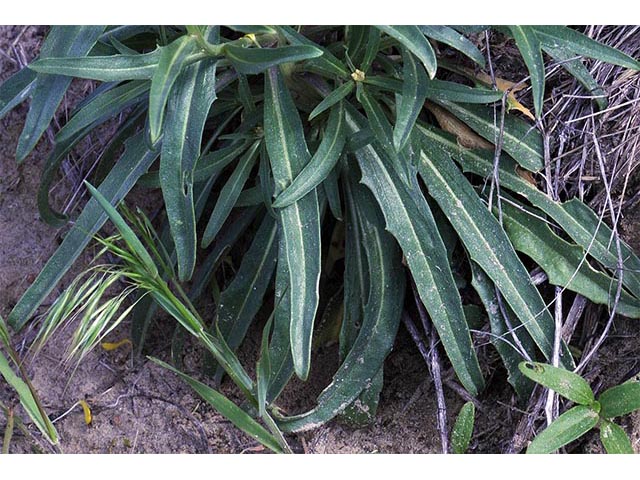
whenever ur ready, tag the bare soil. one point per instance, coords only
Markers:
(138, 407)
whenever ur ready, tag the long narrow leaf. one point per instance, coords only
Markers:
(449, 36)
(300, 221)
(381, 321)
(414, 93)
(413, 39)
(171, 62)
(416, 232)
(16, 89)
(187, 112)
(529, 46)
(257, 60)
(71, 41)
(488, 245)
(134, 162)
(321, 164)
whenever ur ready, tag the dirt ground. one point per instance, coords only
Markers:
(140, 408)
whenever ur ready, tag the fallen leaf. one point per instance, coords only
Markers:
(466, 137)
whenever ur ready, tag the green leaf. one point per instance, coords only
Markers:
(456, 92)
(614, 439)
(563, 262)
(110, 68)
(300, 221)
(103, 107)
(565, 383)
(449, 36)
(620, 400)
(412, 38)
(372, 46)
(463, 428)
(380, 322)
(503, 337)
(322, 162)
(134, 162)
(242, 299)
(331, 189)
(487, 244)
(187, 111)
(257, 29)
(575, 67)
(414, 228)
(414, 93)
(16, 89)
(48, 91)
(529, 46)
(228, 409)
(564, 37)
(520, 140)
(569, 426)
(171, 62)
(230, 193)
(280, 355)
(326, 64)
(228, 238)
(574, 217)
(334, 97)
(257, 60)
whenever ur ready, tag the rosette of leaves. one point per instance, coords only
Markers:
(304, 140)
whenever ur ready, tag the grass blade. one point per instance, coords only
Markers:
(322, 162)
(300, 221)
(228, 409)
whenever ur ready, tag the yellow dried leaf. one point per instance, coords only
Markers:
(87, 412)
(466, 137)
(108, 346)
(504, 85)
